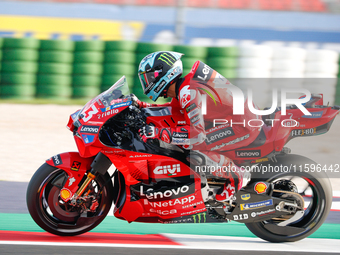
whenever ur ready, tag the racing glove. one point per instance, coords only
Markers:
(178, 136)
(139, 103)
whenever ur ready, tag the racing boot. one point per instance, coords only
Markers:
(236, 179)
(220, 166)
(226, 192)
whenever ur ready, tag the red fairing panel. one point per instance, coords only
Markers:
(74, 165)
(166, 188)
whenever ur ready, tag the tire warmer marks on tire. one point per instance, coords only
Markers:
(108, 238)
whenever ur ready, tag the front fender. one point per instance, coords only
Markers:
(75, 167)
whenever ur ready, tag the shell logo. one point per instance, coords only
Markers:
(65, 194)
(260, 187)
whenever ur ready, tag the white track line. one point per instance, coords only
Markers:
(254, 244)
(336, 193)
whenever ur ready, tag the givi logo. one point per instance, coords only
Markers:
(170, 170)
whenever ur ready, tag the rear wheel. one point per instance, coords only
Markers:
(52, 214)
(316, 191)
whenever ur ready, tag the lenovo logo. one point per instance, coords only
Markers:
(248, 154)
(89, 129)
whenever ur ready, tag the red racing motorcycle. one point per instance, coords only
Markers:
(154, 182)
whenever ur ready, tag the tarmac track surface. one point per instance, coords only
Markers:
(43, 250)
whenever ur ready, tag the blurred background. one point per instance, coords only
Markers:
(62, 50)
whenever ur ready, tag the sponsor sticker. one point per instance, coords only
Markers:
(88, 138)
(140, 156)
(180, 141)
(194, 119)
(219, 135)
(165, 212)
(175, 71)
(256, 205)
(115, 106)
(303, 132)
(177, 201)
(168, 169)
(260, 187)
(190, 107)
(203, 72)
(71, 181)
(166, 193)
(89, 129)
(180, 135)
(193, 113)
(245, 197)
(75, 166)
(160, 86)
(237, 140)
(260, 160)
(243, 216)
(314, 115)
(200, 217)
(57, 160)
(262, 213)
(150, 87)
(248, 154)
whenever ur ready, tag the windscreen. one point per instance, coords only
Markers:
(106, 100)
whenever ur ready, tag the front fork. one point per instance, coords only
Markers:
(100, 165)
(76, 168)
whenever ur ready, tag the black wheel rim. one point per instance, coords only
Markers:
(314, 198)
(57, 215)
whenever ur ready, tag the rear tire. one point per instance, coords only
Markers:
(316, 212)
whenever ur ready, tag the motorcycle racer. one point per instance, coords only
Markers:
(160, 76)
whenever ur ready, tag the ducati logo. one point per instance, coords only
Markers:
(170, 170)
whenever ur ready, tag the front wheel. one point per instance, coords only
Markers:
(52, 214)
(316, 191)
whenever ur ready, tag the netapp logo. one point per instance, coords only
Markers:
(248, 154)
(90, 129)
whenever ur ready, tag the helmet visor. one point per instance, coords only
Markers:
(148, 79)
(143, 80)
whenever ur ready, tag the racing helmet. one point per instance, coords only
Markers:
(157, 71)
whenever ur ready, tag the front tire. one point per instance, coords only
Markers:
(318, 200)
(50, 213)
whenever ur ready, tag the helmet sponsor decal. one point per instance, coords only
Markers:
(167, 58)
